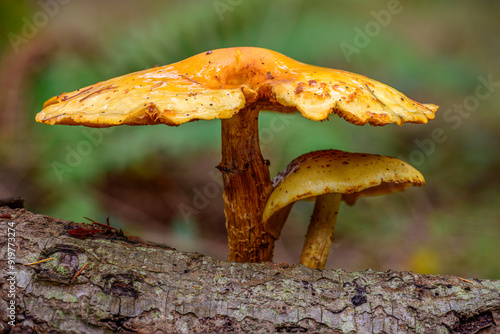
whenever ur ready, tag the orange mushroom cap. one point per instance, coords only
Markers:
(332, 171)
(220, 83)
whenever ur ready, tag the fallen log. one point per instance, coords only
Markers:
(133, 286)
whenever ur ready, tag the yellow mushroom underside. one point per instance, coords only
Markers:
(332, 171)
(220, 83)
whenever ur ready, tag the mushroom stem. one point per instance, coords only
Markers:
(247, 185)
(321, 231)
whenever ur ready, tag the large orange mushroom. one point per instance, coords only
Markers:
(234, 85)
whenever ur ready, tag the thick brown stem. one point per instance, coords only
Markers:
(247, 186)
(321, 231)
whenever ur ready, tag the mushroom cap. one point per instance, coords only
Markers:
(220, 83)
(332, 171)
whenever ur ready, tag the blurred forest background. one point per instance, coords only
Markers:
(160, 183)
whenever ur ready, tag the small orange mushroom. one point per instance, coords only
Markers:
(234, 85)
(331, 176)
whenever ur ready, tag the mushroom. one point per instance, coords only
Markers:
(234, 85)
(331, 176)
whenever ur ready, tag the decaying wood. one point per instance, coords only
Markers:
(134, 286)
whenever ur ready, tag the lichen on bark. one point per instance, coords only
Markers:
(133, 286)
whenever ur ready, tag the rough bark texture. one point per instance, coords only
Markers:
(247, 186)
(131, 286)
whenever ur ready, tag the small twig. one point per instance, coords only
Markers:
(78, 273)
(103, 225)
(466, 280)
(37, 262)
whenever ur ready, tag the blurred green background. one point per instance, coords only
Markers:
(160, 183)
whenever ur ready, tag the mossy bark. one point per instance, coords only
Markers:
(132, 286)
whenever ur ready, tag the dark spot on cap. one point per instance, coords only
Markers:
(209, 52)
(300, 88)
